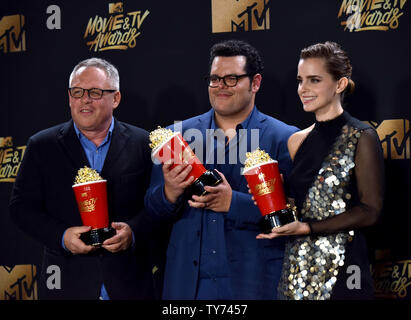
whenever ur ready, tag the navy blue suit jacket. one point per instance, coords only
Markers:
(255, 265)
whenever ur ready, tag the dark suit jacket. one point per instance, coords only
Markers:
(43, 205)
(255, 265)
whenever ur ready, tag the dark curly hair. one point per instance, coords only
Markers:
(230, 48)
(336, 60)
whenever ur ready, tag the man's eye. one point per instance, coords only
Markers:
(95, 93)
(76, 92)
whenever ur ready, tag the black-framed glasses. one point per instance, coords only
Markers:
(93, 93)
(230, 80)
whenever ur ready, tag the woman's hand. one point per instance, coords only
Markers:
(293, 228)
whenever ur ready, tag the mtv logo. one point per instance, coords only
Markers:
(395, 138)
(18, 282)
(115, 7)
(244, 15)
(12, 34)
(6, 142)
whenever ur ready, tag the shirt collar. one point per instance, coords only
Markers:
(242, 125)
(109, 133)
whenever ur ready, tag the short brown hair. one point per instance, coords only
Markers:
(336, 60)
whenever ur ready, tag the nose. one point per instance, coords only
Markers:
(302, 86)
(86, 96)
(221, 83)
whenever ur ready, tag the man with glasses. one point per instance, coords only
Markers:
(43, 203)
(213, 252)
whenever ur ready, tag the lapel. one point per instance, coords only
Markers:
(118, 142)
(200, 123)
(257, 121)
(203, 124)
(244, 144)
(70, 143)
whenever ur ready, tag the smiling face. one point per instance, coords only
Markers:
(318, 90)
(89, 115)
(235, 101)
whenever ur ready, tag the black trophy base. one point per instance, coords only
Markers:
(96, 237)
(277, 219)
(208, 178)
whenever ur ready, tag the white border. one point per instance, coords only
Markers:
(84, 183)
(257, 165)
(157, 149)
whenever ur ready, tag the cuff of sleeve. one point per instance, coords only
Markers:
(309, 227)
(133, 241)
(242, 209)
(158, 205)
(62, 241)
(171, 207)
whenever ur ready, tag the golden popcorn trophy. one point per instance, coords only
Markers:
(168, 145)
(264, 180)
(90, 191)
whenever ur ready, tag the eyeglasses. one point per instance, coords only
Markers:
(229, 80)
(93, 93)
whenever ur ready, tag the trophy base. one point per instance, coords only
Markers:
(96, 237)
(208, 178)
(277, 219)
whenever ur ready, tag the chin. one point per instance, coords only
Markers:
(308, 108)
(222, 111)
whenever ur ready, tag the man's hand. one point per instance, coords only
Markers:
(122, 240)
(74, 244)
(174, 183)
(218, 199)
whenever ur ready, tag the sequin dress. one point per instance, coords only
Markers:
(337, 181)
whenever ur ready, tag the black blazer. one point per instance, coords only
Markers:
(43, 205)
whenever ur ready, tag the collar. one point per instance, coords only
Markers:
(242, 125)
(109, 133)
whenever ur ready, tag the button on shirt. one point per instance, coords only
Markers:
(96, 156)
(214, 278)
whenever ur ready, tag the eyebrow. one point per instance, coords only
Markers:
(310, 77)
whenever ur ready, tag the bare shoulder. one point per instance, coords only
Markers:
(296, 139)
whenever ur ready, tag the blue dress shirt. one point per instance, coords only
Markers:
(95, 156)
(214, 281)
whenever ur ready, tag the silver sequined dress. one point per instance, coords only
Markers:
(333, 196)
